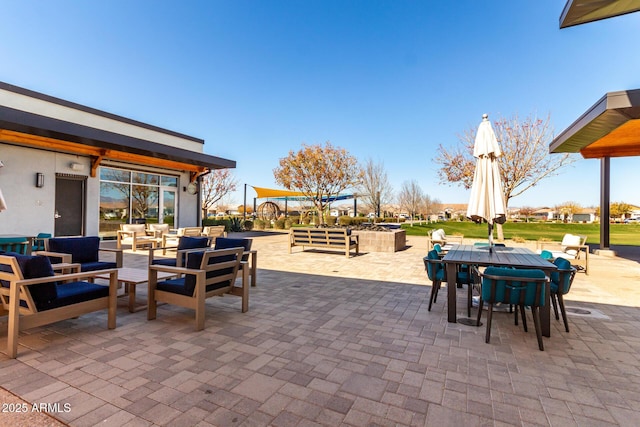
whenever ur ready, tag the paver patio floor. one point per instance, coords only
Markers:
(333, 341)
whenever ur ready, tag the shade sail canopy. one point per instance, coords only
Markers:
(577, 12)
(610, 128)
(263, 193)
(271, 193)
(487, 196)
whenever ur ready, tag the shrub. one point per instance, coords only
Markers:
(248, 225)
(259, 224)
(518, 239)
(235, 224)
(306, 220)
(288, 223)
(279, 224)
(345, 220)
(330, 221)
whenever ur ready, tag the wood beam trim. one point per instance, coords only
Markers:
(74, 148)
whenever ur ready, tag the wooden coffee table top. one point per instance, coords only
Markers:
(136, 276)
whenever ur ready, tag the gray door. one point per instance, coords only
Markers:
(70, 203)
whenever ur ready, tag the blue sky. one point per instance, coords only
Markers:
(387, 80)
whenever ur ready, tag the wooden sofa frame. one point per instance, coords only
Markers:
(197, 300)
(26, 315)
(333, 238)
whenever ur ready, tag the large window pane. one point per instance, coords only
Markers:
(109, 174)
(144, 203)
(145, 178)
(169, 181)
(114, 207)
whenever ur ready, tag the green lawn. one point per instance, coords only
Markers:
(621, 234)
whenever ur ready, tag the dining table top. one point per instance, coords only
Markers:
(498, 255)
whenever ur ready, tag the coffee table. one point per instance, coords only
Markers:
(131, 277)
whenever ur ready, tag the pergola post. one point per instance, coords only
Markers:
(605, 202)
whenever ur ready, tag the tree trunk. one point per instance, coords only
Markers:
(500, 233)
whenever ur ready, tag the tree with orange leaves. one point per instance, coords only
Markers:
(320, 172)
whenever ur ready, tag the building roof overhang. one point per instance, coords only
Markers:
(20, 126)
(610, 128)
(577, 12)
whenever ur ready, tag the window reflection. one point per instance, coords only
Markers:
(134, 197)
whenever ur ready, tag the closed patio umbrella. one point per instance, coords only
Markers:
(3, 204)
(487, 197)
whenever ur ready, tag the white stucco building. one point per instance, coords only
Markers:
(68, 169)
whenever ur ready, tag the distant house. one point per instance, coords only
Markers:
(584, 215)
(545, 214)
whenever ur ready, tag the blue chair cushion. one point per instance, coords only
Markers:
(175, 286)
(75, 292)
(98, 265)
(501, 285)
(82, 249)
(171, 262)
(435, 271)
(228, 243)
(559, 281)
(187, 242)
(34, 267)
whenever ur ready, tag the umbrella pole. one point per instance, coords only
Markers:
(490, 225)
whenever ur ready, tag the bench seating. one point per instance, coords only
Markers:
(333, 238)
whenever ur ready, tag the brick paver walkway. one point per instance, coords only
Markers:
(332, 341)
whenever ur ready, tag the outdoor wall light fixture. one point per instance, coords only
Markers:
(76, 166)
(39, 180)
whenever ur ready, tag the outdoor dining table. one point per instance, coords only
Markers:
(498, 256)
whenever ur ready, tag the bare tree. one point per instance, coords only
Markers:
(411, 197)
(525, 159)
(215, 186)
(527, 211)
(429, 205)
(375, 189)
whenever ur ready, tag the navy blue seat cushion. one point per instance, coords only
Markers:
(187, 242)
(187, 285)
(171, 262)
(75, 292)
(82, 249)
(34, 267)
(228, 243)
(98, 265)
(500, 296)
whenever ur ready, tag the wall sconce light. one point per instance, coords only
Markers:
(76, 166)
(1, 164)
(39, 180)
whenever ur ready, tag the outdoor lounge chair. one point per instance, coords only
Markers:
(33, 296)
(185, 246)
(573, 247)
(439, 237)
(519, 287)
(82, 250)
(249, 257)
(207, 273)
(135, 235)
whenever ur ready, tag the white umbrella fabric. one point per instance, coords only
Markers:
(487, 197)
